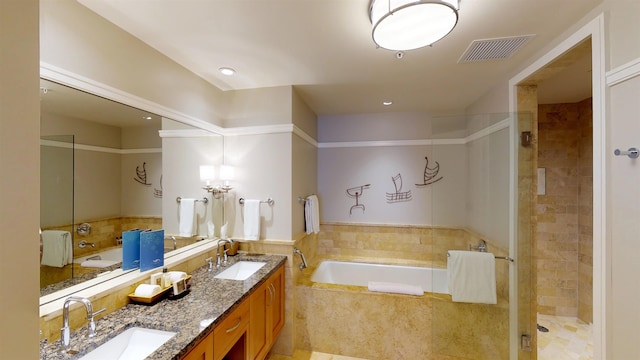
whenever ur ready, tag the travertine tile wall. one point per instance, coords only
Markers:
(564, 213)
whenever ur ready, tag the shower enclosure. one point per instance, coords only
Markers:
(470, 181)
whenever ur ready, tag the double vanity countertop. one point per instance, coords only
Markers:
(191, 317)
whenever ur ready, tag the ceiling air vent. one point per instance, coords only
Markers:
(494, 49)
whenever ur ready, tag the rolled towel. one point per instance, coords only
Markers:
(397, 288)
(147, 290)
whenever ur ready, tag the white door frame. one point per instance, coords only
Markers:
(595, 30)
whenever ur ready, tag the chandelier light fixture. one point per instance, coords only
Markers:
(411, 24)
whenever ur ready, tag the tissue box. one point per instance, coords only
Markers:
(151, 249)
(131, 249)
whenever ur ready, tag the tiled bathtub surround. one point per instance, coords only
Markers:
(351, 321)
(394, 244)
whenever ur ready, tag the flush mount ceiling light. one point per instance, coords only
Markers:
(411, 24)
(227, 71)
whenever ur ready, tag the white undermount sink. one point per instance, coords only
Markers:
(135, 343)
(241, 270)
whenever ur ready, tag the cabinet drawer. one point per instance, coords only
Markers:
(227, 333)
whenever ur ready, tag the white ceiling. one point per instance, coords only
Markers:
(324, 48)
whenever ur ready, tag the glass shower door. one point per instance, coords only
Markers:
(472, 201)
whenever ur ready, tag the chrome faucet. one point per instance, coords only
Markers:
(224, 262)
(65, 336)
(175, 243)
(209, 261)
(303, 264)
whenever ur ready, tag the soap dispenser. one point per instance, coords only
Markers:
(166, 278)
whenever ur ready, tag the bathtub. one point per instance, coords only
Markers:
(104, 258)
(432, 280)
(347, 319)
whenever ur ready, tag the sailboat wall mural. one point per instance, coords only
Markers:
(430, 174)
(399, 195)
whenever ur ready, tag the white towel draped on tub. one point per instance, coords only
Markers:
(251, 219)
(472, 276)
(57, 248)
(187, 216)
(312, 214)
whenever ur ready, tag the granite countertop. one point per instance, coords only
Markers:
(192, 317)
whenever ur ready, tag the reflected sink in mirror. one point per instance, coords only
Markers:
(132, 344)
(241, 270)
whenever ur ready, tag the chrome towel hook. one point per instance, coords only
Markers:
(632, 153)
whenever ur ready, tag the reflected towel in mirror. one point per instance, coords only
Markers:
(57, 248)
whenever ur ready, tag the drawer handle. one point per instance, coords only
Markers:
(271, 294)
(231, 329)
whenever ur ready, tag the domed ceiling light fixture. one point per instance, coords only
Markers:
(411, 24)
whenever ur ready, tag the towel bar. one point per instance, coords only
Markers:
(268, 201)
(204, 200)
(497, 257)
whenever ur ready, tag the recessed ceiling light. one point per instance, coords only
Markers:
(227, 71)
(387, 103)
(147, 117)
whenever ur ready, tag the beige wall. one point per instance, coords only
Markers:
(304, 171)
(182, 157)
(19, 184)
(255, 107)
(474, 169)
(263, 170)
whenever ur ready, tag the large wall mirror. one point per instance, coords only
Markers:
(105, 170)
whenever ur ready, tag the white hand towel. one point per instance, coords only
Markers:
(312, 214)
(187, 216)
(472, 276)
(57, 248)
(251, 219)
(397, 288)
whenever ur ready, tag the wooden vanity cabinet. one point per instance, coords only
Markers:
(267, 315)
(202, 351)
(250, 330)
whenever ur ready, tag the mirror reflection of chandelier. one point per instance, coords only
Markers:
(410, 24)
